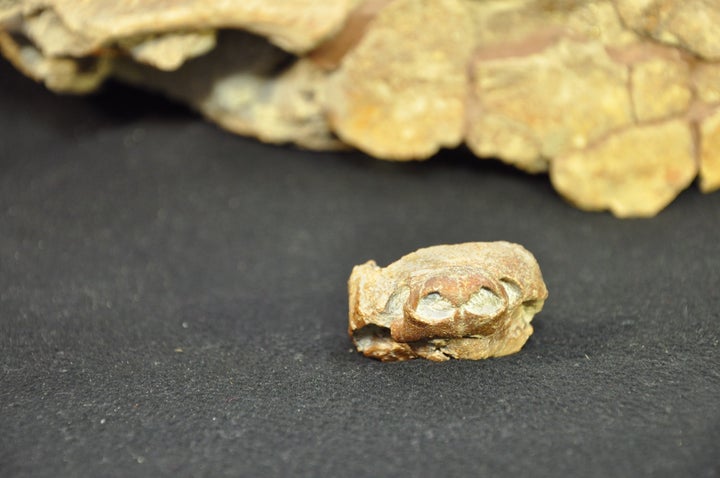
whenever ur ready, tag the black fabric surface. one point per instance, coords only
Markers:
(173, 303)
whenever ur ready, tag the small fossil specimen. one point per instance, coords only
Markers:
(469, 301)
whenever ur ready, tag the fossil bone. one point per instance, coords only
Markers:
(467, 301)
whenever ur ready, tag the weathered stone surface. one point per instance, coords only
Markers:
(710, 152)
(691, 24)
(466, 301)
(10, 9)
(169, 51)
(502, 22)
(706, 81)
(399, 94)
(635, 172)
(516, 118)
(252, 94)
(294, 25)
(54, 39)
(529, 82)
(59, 74)
(330, 54)
(660, 88)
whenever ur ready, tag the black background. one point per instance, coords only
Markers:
(173, 302)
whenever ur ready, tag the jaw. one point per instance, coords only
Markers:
(377, 341)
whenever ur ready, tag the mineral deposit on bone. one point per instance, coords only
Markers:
(465, 301)
(530, 82)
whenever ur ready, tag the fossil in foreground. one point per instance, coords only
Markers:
(465, 301)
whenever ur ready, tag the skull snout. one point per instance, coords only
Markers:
(450, 303)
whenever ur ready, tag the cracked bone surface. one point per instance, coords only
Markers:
(464, 301)
(617, 100)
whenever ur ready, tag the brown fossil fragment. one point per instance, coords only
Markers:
(465, 301)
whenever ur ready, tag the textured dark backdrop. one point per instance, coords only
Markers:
(173, 302)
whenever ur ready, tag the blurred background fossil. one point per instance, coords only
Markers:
(617, 100)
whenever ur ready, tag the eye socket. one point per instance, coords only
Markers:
(484, 303)
(512, 290)
(434, 308)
